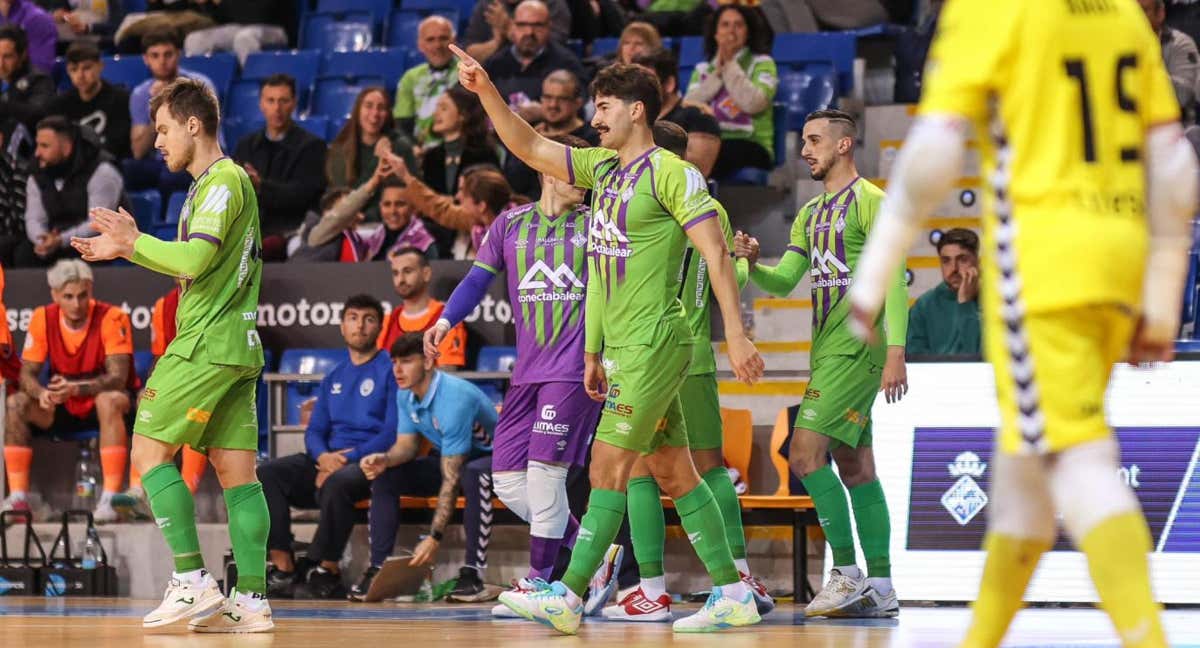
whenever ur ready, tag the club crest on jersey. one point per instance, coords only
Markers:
(366, 387)
(966, 498)
(579, 240)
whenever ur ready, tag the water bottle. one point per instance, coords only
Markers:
(85, 480)
(425, 593)
(60, 553)
(91, 554)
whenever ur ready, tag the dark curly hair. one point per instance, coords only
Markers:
(475, 126)
(759, 35)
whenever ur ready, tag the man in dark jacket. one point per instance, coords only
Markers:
(74, 174)
(25, 93)
(94, 102)
(285, 163)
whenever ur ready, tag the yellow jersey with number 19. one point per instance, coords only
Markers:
(1061, 94)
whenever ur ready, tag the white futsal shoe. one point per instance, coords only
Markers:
(183, 600)
(869, 605)
(522, 586)
(838, 592)
(241, 613)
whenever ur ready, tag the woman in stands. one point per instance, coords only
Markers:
(737, 85)
(638, 38)
(459, 121)
(368, 135)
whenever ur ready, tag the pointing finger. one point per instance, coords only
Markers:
(463, 56)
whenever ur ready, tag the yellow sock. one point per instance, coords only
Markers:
(1010, 564)
(1116, 551)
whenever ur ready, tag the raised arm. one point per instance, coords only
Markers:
(527, 144)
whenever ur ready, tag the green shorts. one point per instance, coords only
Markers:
(642, 411)
(201, 404)
(839, 399)
(702, 412)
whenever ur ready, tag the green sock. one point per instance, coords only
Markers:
(701, 519)
(175, 513)
(731, 510)
(605, 510)
(834, 513)
(874, 527)
(647, 526)
(249, 523)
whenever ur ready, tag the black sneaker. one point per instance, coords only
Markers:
(470, 588)
(321, 585)
(280, 583)
(358, 592)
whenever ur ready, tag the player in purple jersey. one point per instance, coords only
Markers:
(547, 422)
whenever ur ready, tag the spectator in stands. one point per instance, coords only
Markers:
(1179, 56)
(285, 163)
(562, 99)
(354, 417)
(483, 192)
(417, 311)
(94, 102)
(945, 320)
(74, 175)
(704, 134)
(458, 420)
(147, 170)
(677, 17)
(13, 176)
(39, 29)
(368, 135)
(592, 19)
(26, 93)
(91, 21)
(418, 91)
(518, 70)
(89, 347)
(461, 124)
(637, 39)
(336, 237)
(243, 27)
(490, 28)
(737, 85)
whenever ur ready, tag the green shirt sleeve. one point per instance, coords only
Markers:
(178, 259)
(683, 192)
(782, 279)
(583, 162)
(764, 74)
(405, 102)
(593, 320)
(895, 310)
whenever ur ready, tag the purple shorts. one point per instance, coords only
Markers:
(549, 422)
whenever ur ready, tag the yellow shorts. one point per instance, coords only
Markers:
(1052, 396)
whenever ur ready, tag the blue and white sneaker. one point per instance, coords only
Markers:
(547, 604)
(604, 581)
(720, 612)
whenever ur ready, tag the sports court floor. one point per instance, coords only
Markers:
(115, 623)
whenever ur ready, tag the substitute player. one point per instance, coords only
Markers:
(646, 204)
(835, 416)
(547, 422)
(702, 417)
(202, 391)
(1079, 132)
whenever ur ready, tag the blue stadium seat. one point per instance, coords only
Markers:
(316, 124)
(174, 208)
(221, 67)
(605, 46)
(835, 48)
(496, 358)
(685, 78)
(378, 9)
(166, 231)
(301, 65)
(147, 207)
(142, 362)
(403, 23)
(804, 91)
(490, 389)
(306, 361)
(235, 129)
(334, 98)
(349, 32)
(691, 51)
(242, 101)
(125, 70)
(435, 5)
(62, 81)
(758, 177)
(388, 62)
(261, 400)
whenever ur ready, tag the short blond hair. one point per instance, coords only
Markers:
(67, 271)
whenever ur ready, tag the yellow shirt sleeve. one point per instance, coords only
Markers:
(967, 58)
(1156, 100)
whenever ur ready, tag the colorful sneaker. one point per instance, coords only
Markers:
(604, 581)
(240, 613)
(522, 586)
(184, 600)
(546, 604)
(869, 605)
(720, 612)
(358, 592)
(636, 607)
(762, 598)
(17, 502)
(838, 592)
(133, 504)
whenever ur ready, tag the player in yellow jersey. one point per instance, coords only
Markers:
(1078, 128)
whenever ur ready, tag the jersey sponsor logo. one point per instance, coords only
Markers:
(549, 413)
(251, 316)
(247, 252)
(197, 415)
(541, 276)
(827, 262)
(856, 417)
(215, 201)
(335, 389)
(252, 339)
(812, 394)
(415, 418)
(545, 426)
(606, 238)
(149, 394)
(624, 410)
(366, 388)
(809, 414)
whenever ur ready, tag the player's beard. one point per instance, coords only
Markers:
(177, 162)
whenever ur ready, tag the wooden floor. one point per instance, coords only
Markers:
(109, 623)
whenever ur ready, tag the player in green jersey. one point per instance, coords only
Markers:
(702, 417)
(647, 203)
(202, 391)
(835, 416)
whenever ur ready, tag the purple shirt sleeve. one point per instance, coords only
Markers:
(43, 38)
(467, 295)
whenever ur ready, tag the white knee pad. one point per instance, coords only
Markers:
(1021, 505)
(548, 508)
(1087, 489)
(510, 488)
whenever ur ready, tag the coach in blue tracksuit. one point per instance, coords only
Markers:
(354, 416)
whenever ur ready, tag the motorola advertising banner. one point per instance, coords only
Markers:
(300, 304)
(935, 451)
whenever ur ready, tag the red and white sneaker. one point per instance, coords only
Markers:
(762, 599)
(522, 586)
(636, 607)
